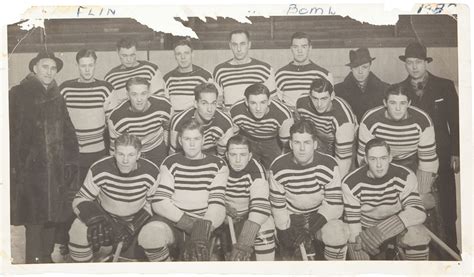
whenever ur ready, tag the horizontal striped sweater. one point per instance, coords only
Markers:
(232, 80)
(368, 201)
(179, 87)
(247, 191)
(297, 189)
(407, 137)
(88, 106)
(119, 194)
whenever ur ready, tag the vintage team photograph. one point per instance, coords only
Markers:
(292, 138)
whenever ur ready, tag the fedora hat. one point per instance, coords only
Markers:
(415, 50)
(45, 54)
(359, 57)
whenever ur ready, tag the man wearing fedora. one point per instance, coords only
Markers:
(438, 97)
(361, 88)
(43, 156)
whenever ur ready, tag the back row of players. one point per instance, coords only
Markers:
(245, 98)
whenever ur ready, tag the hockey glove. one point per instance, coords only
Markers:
(373, 237)
(298, 231)
(355, 252)
(244, 246)
(99, 229)
(197, 247)
(425, 187)
(125, 231)
(185, 223)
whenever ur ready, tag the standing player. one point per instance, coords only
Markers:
(131, 67)
(217, 126)
(409, 132)
(114, 202)
(265, 122)
(181, 81)
(190, 200)
(247, 203)
(334, 121)
(294, 79)
(306, 197)
(381, 202)
(145, 116)
(235, 75)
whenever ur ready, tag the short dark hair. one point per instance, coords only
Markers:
(321, 85)
(398, 89)
(239, 140)
(240, 31)
(127, 139)
(191, 124)
(300, 35)
(374, 143)
(183, 42)
(303, 126)
(204, 87)
(85, 53)
(126, 43)
(256, 89)
(137, 81)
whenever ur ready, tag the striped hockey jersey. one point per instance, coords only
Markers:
(119, 75)
(297, 189)
(295, 80)
(150, 126)
(88, 106)
(411, 136)
(119, 194)
(335, 128)
(247, 191)
(276, 122)
(179, 87)
(368, 201)
(232, 80)
(196, 187)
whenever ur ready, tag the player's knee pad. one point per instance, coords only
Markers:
(335, 232)
(155, 234)
(78, 232)
(415, 235)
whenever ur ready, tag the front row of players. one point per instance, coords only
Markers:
(173, 212)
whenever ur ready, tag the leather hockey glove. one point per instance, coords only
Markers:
(355, 252)
(243, 249)
(373, 237)
(298, 231)
(186, 223)
(125, 231)
(197, 247)
(99, 229)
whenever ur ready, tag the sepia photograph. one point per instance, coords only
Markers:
(300, 133)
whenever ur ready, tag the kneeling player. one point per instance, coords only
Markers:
(306, 197)
(247, 203)
(114, 202)
(381, 202)
(190, 199)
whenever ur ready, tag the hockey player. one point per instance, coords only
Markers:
(265, 122)
(235, 75)
(190, 200)
(181, 81)
(131, 67)
(217, 126)
(409, 132)
(382, 205)
(247, 203)
(294, 79)
(114, 202)
(334, 121)
(306, 197)
(145, 116)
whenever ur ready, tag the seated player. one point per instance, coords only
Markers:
(382, 205)
(114, 202)
(306, 197)
(247, 203)
(190, 200)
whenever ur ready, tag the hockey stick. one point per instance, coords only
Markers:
(443, 245)
(304, 255)
(118, 251)
(232, 230)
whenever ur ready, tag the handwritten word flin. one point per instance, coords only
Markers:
(294, 9)
(97, 11)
